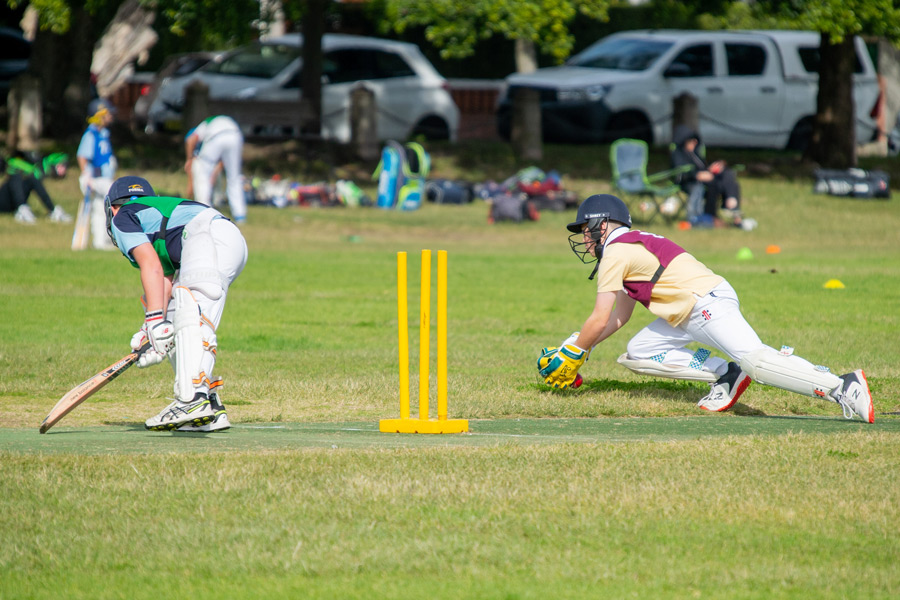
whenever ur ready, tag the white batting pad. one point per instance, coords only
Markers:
(188, 343)
(792, 373)
(655, 369)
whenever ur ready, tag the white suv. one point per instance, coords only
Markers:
(755, 88)
(411, 96)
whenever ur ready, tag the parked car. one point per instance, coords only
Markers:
(177, 65)
(15, 50)
(755, 88)
(411, 96)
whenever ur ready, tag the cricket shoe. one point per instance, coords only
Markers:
(219, 423)
(197, 412)
(60, 216)
(855, 398)
(726, 390)
(24, 215)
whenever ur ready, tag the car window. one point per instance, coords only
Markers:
(809, 56)
(261, 60)
(745, 59)
(622, 54)
(355, 64)
(698, 59)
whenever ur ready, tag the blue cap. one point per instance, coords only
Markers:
(127, 187)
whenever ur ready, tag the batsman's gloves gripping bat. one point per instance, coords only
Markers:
(559, 366)
(160, 331)
(149, 356)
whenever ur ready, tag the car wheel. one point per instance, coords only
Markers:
(632, 125)
(432, 128)
(800, 135)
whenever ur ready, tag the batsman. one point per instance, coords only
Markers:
(188, 255)
(691, 304)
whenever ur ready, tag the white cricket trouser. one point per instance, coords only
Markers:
(99, 187)
(227, 146)
(228, 257)
(716, 321)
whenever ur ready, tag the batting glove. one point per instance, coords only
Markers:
(561, 367)
(159, 331)
(149, 356)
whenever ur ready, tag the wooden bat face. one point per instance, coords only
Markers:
(86, 389)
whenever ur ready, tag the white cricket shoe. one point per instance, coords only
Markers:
(855, 398)
(219, 423)
(24, 215)
(197, 412)
(58, 215)
(726, 390)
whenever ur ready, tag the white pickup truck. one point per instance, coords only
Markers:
(755, 88)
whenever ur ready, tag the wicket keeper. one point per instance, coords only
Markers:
(692, 304)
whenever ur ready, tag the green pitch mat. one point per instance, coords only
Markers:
(134, 438)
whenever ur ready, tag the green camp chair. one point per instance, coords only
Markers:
(647, 196)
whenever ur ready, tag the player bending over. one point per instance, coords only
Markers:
(188, 254)
(692, 304)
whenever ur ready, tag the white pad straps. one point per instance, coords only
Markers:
(656, 369)
(188, 343)
(792, 373)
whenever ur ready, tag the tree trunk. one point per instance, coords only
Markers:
(527, 134)
(62, 63)
(833, 141)
(311, 77)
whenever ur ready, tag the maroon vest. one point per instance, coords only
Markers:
(664, 250)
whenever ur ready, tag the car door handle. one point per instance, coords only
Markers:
(767, 89)
(714, 90)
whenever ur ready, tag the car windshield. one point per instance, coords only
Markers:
(261, 60)
(621, 54)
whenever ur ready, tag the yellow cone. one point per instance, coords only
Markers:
(834, 284)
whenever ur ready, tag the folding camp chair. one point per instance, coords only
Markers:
(645, 195)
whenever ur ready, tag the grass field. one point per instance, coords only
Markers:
(619, 489)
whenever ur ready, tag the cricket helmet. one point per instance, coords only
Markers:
(121, 191)
(97, 109)
(594, 213)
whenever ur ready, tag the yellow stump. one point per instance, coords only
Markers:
(423, 424)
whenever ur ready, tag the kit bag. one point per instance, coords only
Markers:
(855, 183)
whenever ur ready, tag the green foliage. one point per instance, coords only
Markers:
(211, 24)
(455, 27)
(838, 18)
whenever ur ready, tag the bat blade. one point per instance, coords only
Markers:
(82, 223)
(87, 388)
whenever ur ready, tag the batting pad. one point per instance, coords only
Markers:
(655, 369)
(792, 373)
(188, 343)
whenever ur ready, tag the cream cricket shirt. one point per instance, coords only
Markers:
(675, 293)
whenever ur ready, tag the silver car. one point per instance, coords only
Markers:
(412, 98)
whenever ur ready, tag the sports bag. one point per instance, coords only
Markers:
(446, 191)
(855, 183)
(401, 175)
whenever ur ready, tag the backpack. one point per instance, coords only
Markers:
(512, 207)
(401, 175)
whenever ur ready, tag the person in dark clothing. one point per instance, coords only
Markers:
(710, 187)
(25, 172)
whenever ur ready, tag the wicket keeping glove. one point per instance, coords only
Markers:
(559, 366)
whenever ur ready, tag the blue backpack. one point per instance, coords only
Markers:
(401, 175)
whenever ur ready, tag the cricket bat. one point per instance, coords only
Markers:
(82, 223)
(86, 389)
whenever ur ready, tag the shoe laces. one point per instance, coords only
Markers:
(848, 410)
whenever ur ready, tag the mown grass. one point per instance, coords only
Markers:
(310, 335)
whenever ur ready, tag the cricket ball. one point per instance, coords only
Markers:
(578, 381)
